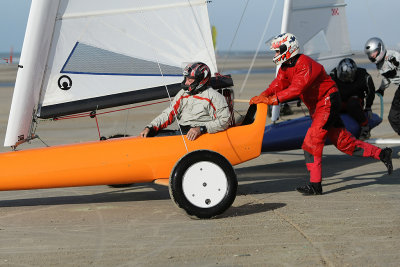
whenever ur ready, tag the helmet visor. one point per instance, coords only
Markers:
(373, 55)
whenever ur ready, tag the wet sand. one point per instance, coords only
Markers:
(355, 223)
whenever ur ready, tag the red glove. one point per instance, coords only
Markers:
(256, 99)
(272, 100)
(269, 100)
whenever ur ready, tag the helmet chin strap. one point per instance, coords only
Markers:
(383, 57)
(184, 86)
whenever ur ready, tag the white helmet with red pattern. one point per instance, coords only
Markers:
(287, 45)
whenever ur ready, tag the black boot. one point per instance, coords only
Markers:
(310, 189)
(386, 157)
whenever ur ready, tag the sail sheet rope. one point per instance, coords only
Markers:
(156, 53)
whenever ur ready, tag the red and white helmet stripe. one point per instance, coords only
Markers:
(287, 45)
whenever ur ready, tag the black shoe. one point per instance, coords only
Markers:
(310, 189)
(386, 157)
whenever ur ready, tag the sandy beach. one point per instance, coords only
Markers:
(355, 223)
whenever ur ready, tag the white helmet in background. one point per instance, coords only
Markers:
(372, 46)
(287, 45)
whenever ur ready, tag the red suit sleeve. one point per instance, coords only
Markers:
(301, 80)
(277, 85)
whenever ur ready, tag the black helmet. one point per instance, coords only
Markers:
(346, 70)
(201, 74)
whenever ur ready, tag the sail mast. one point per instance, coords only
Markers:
(286, 15)
(32, 65)
(287, 6)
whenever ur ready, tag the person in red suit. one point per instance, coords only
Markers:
(302, 77)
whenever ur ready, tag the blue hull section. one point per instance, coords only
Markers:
(289, 135)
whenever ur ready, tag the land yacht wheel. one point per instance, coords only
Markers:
(203, 183)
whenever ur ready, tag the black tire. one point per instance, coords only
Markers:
(203, 183)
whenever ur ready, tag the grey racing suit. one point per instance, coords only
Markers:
(207, 108)
(390, 70)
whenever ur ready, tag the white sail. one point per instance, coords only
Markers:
(320, 27)
(96, 54)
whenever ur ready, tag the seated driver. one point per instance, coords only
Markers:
(198, 108)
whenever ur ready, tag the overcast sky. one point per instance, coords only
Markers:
(366, 18)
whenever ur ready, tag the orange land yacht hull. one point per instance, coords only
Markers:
(124, 160)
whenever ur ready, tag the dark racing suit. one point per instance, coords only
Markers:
(306, 79)
(353, 94)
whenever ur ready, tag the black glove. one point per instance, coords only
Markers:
(380, 91)
(393, 60)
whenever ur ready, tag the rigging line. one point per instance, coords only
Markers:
(93, 114)
(87, 114)
(234, 37)
(166, 87)
(34, 126)
(38, 137)
(98, 129)
(81, 115)
(126, 122)
(258, 47)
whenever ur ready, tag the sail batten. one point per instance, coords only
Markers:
(130, 10)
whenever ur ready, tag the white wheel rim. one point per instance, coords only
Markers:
(204, 184)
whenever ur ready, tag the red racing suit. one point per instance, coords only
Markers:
(306, 79)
